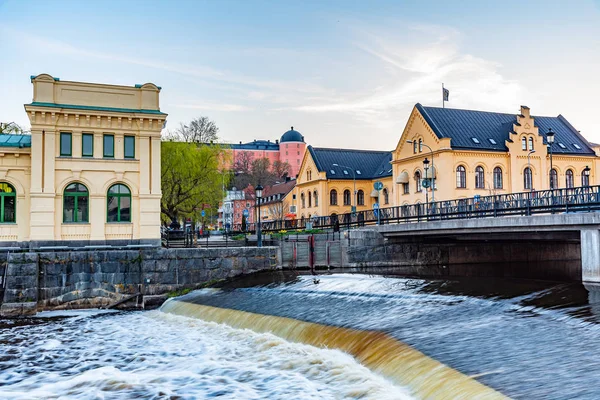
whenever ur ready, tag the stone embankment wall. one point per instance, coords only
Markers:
(555, 260)
(81, 279)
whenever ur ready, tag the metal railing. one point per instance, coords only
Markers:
(579, 199)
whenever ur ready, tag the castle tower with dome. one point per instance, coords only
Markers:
(290, 148)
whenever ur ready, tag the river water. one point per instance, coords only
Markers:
(524, 339)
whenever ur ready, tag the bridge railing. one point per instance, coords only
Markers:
(566, 200)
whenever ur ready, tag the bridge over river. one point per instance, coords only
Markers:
(550, 234)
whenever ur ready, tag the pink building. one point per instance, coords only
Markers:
(290, 148)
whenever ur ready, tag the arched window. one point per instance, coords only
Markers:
(333, 197)
(347, 198)
(523, 143)
(553, 179)
(316, 199)
(309, 199)
(420, 145)
(418, 181)
(585, 177)
(76, 203)
(119, 203)
(8, 203)
(302, 200)
(569, 181)
(479, 177)
(527, 178)
(360, 198)
(461, 177)
(497, 178)
(530, 143)
(386, 196)
(414, 147)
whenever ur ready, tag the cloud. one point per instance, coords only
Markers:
(213, 107)
(416, 64)
(197, 71)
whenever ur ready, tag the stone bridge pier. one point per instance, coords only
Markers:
(563, 247)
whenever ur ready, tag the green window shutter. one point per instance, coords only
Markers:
(8, 203)
(109, 146)
(129, 144)
(65, 144)
(87, 145)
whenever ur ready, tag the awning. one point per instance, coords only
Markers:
(402, 178)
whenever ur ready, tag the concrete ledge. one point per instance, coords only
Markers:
(10, 310)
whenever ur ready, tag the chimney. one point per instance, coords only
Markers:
(276, 141)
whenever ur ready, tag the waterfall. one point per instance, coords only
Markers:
(381, 353)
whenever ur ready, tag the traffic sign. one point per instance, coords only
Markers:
(378, 185)
(203, 213)
(245, 213)
(376, 206)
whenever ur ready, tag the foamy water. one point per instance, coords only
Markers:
(161, 356)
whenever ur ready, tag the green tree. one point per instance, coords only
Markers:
(191, 177)
(11, 128)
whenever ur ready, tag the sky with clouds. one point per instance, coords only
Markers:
(343, 73)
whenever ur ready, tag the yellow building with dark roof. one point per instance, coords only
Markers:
(332, 181)
(486, 153)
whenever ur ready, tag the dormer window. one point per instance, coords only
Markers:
(475, 140)
(578, 147)
(492, 141)
(332, 172)
(345, 172)
(562, 146)
(358, 172)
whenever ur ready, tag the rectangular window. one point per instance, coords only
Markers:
(129, 144)
(65, 144)
(87, 145)
(405, 188)
(109, 146)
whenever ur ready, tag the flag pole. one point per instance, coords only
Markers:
(443, 97)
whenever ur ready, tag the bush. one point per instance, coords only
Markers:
(241, 236)
(312, 231)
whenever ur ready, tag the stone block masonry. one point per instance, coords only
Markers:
(534, 255)
(84, 279)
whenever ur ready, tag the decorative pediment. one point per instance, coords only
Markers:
(43, 78)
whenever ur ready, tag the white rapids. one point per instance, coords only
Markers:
(154, 355)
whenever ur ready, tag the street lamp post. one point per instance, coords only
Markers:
(353, 178)
(426, 167)
(432, 170)
(258, 190)
(550, 140)
(530, 172)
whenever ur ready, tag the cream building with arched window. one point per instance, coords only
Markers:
(89, 173)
